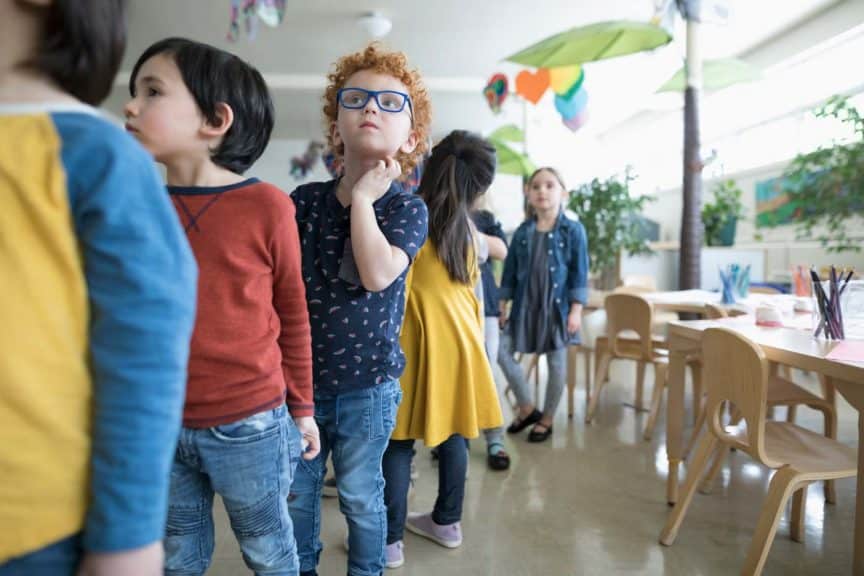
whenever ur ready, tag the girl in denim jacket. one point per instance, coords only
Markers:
(546, 278)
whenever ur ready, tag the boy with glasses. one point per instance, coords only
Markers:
(358, 235)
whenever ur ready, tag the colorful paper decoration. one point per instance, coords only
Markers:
(577, 121)
(562, 79)
(532, 85)
(302, 165)
(271, 12)
(496, 92)
(332, 163)
(570, 108)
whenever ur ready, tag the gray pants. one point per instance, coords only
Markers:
(557, 360)
(490, 333)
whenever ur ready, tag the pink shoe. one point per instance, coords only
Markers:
(447, 535)
(394, 555)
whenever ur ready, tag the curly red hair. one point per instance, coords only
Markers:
(394, 64)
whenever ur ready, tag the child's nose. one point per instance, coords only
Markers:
(129, 109)
(371, 106)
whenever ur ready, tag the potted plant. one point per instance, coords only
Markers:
(611, 220)
(828, 183)
(720, 217)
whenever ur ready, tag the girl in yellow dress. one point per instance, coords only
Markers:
(448, 390)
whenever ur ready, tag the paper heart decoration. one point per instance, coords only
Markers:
(532, 86)
(577, 121)
(562, 79)
(570, 108)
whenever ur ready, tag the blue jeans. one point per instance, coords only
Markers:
(250, 464)
(355, 427)
(452, 467)
(58, 559)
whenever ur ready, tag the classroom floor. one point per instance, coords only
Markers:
(592, 501)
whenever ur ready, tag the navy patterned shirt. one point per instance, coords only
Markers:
(355, 332)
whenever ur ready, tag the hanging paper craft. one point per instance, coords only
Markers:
(332, 163)
(570, 108)
(302, 165)
(496, 91)
(271, 12)
(532, 86)
(577, 121)
(562, 79)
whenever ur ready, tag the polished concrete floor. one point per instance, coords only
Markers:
(591, 501)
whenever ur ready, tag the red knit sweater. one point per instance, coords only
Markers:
(251, 348)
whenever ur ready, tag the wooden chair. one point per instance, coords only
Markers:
(643, 285)
(765, 290)
(628, 337)
(780, 392)
(737, 373)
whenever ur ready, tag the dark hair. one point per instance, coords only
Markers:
(459, 171)
(215, 76)
(82, 45)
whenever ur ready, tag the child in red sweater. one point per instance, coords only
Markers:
(251, 348)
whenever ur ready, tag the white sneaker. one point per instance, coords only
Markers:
(394, 555)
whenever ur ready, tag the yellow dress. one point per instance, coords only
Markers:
(447, 386)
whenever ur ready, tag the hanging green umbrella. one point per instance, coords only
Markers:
(510, 161)
(716, 75)
(508, 133)
(593, 42)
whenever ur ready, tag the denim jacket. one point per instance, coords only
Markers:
(568, 269)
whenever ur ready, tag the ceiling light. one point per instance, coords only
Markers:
(375, 24)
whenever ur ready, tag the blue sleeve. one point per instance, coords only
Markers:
(141, 281)
(406, 224)
(577, 275)
(508, 276)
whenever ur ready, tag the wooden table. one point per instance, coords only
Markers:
(694, 301)
(791, 346)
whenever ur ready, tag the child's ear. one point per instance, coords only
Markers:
(335, 135)
(410, 144)
(225, 118)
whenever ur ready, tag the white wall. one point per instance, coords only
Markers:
(274, 166)
(782, 249)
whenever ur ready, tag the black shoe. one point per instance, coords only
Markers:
(520, 424)
(500, 460)
(539, 436)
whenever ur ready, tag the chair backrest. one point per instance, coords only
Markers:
(645, 283)
(736, 371)
(629, 312)
(713, 311)
(764, 290)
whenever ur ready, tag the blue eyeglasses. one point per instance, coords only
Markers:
(387, 100)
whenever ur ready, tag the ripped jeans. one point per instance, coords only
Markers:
(250, 464)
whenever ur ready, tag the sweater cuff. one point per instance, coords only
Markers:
(301, 410)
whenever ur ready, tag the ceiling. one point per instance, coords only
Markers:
(456, 44)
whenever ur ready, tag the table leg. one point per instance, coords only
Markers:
(855, 395)
(675, 418)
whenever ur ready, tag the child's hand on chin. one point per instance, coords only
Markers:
(375, 183)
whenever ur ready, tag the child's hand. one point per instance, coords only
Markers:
(375, 183)
(502, 315)
(309, 429)
(574, 320)
(146, 561)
